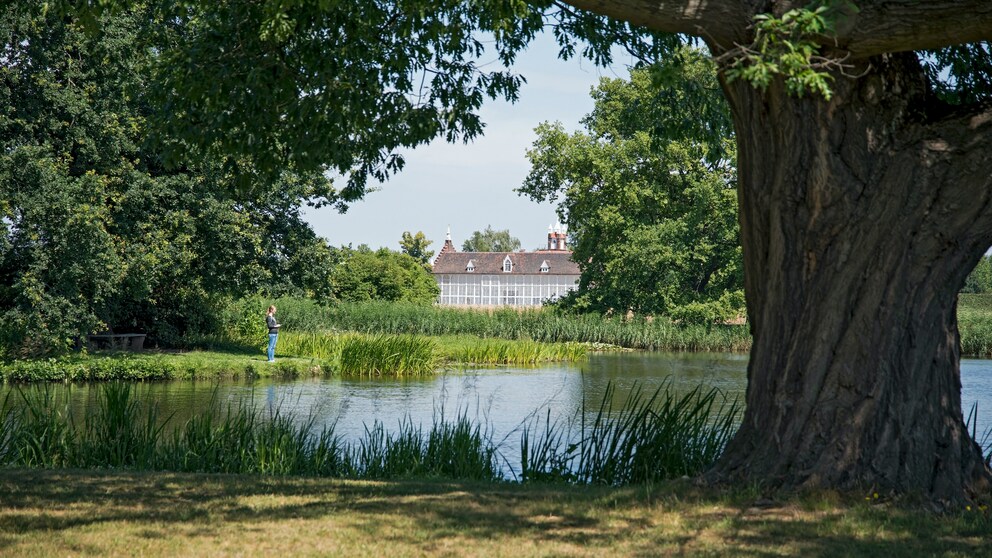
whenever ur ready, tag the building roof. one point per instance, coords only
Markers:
(559, 262)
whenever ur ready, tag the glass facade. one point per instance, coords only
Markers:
(502, 290)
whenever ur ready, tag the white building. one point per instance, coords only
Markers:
(505, 278)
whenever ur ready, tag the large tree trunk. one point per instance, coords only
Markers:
(861, 216)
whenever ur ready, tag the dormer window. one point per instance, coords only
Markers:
(545, 267)
(507, 265)
(471, 266)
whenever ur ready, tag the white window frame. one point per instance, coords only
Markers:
(507, 265)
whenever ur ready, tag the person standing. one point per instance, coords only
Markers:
(270, 322)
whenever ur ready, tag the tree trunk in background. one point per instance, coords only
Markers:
(860, 219)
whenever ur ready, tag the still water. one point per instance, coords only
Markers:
(501, 398)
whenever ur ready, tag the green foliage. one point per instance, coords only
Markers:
(490, 240)
(979, 281)
(415, 246)
(789, 47)
(786, 47)
(649, 197)
(344, 87)
(95, 232)
(383, 275)
(961, 74)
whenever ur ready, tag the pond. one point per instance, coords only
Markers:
(501, 398)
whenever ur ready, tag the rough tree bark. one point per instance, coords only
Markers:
(860, 218)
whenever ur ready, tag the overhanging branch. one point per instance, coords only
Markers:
(878, 27)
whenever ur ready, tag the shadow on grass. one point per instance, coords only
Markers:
(671, 518)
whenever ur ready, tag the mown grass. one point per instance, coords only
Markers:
(111, 513)
(647, 437)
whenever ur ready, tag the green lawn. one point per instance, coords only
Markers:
(60, 513)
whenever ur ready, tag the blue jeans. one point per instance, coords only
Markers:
(272, 346)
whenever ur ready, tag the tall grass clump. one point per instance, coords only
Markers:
(322, 346)
(399, 355)
(648, 437)
(456, 449)
(474, 350)
(119, 433)
(7, 430)
(42, 431)
(975, 324)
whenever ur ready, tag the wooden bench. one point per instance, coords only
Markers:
(125, 341)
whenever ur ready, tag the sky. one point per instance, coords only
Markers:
(468, 187)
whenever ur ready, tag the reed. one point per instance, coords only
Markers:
(984, 439)
(975, 324)
(646, 438)
(395, 355)
(540, 325)
(119, 433)
(403, 355)
(479, 351)
(43, 432)
(458, 450)
(549, 326)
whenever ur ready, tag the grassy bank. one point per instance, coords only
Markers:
(645, 438)
(186, 365)
(107, 513)
(299, 354)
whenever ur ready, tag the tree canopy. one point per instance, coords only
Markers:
(491, 240)
(415, 246)
(648, 192)
(383, 274)
(95, 232)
